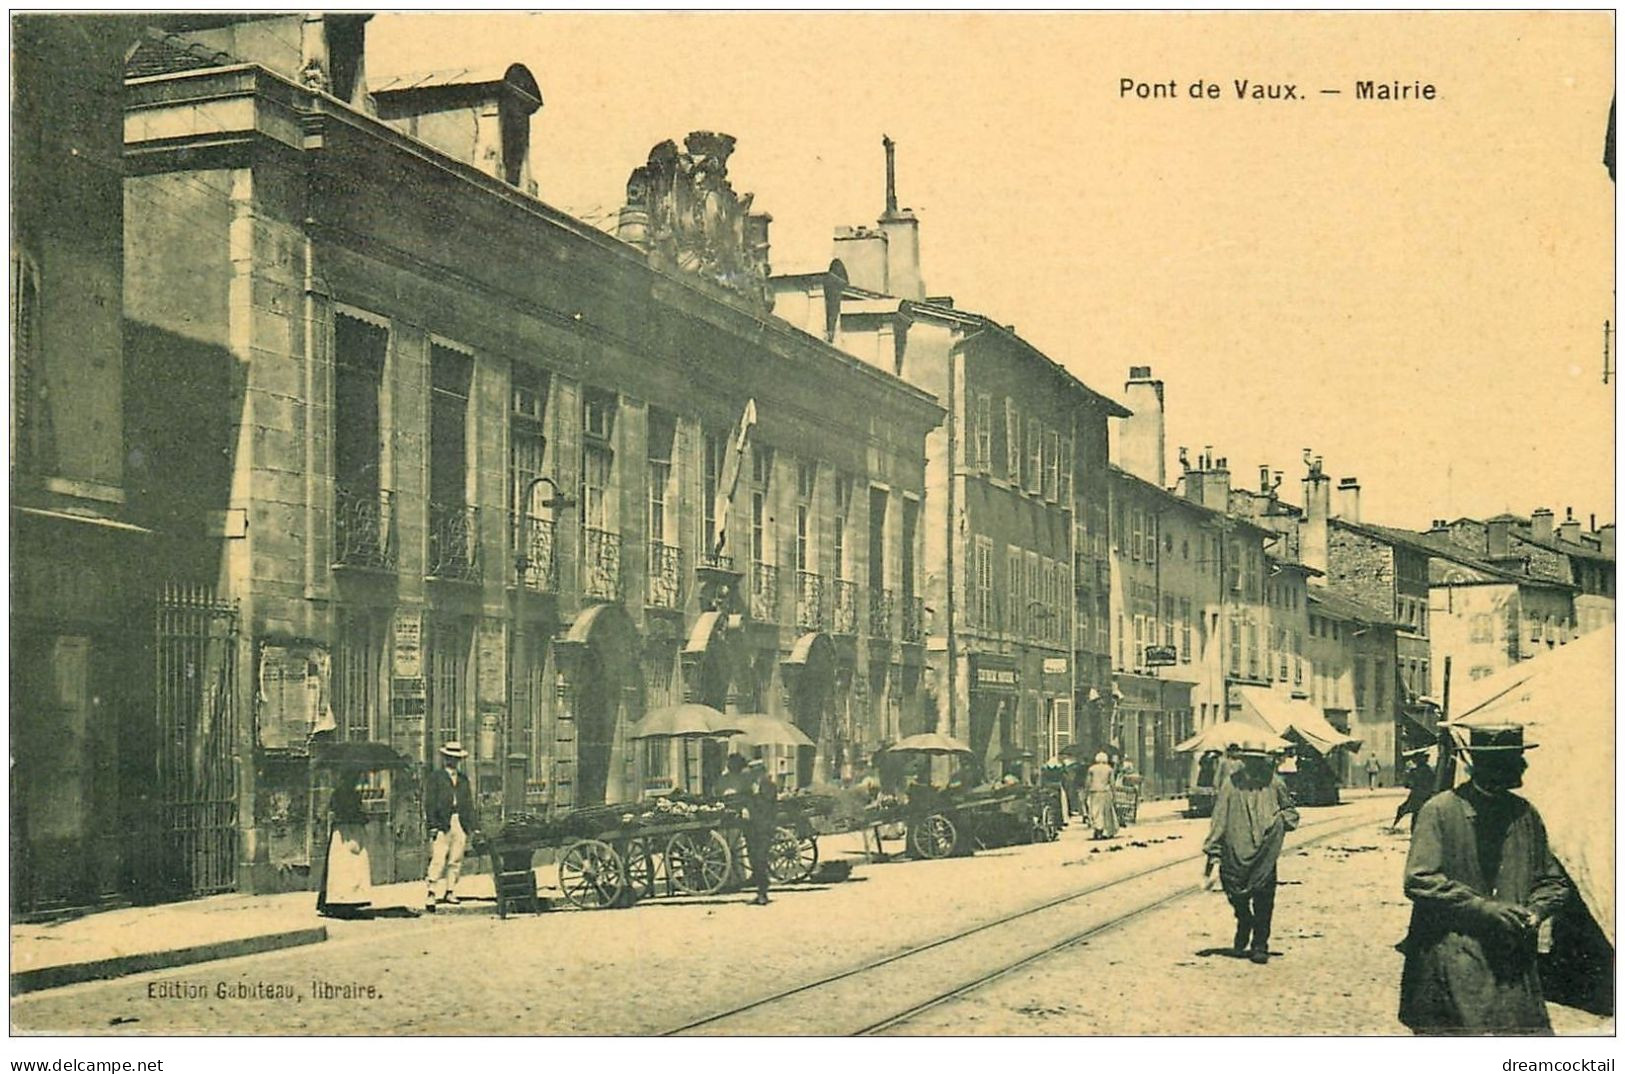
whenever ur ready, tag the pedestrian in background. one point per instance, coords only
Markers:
(448, 808)
(1251, 816)
(1098, 799)
(761, 821)
(1420, 779)
(1481, 879)
(1372, 768)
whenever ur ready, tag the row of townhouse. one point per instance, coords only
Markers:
(413, 458)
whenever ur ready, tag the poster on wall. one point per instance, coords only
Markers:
(408, 691)
(293, 694)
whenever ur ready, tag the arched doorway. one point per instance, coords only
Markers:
(809, 676)
(602, 676)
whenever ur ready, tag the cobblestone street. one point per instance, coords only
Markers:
(668, 962)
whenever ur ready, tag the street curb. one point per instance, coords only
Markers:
(101, 969)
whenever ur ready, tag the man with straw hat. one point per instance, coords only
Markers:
(1481, 879)
(448, 809)
(1252, 813)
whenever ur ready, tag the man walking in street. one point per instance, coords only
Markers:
(448, 808)
(749, 789)
(1481, 879)
(1252, 813)
(1372, 768)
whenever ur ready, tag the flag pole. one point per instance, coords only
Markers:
(1447, 752)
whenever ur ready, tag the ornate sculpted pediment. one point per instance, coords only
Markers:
(681, 209)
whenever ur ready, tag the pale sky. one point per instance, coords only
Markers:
(1416, 290)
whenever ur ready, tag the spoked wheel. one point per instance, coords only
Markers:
(791, 858)
(591, 875)
(698, 864)
(933, 836)
(640, 872)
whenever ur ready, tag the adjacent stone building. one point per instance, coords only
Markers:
(1014, 520)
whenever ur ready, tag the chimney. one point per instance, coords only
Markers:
(1317, 508)
(1605, 538)
(1141, 445)
(495, 105)
(1570, 529)
(862, 253)
(1540, 524)
(902, 233)
(1216, 486)
(1348, 499)
(1497, 537)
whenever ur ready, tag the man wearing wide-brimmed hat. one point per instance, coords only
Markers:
(1252, 812)
(1481, 879)
(448, 809)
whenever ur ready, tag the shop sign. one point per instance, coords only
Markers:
(408, 659)
(1055, 665)
(994, 673)
(1161, 656)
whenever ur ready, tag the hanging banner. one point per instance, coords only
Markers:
(408, 692)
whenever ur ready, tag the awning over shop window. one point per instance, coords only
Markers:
(1282, 715)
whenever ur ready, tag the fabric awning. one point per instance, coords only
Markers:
(1285, 714)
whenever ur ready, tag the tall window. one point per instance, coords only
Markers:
(715, 447)
(1035, 455)
(1015, 617)
(1012, 441)
(359, 349)
(806, 486)
(1184, 630)
(911, 521)
(598, 411)
(1035, 593)
(1150, 537)
(843, 509)
(1139, 532)
(662, 448)
(451, 375)
(983, 442)
(1065, 490)
(25, 360)
(1052, 465)
(527, 438)
(982, 582)
(877, 541)
(1168, 621)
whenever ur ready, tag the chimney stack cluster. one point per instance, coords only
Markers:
(1141, 437)
(1348, 499)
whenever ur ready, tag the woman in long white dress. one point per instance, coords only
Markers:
(346, 889)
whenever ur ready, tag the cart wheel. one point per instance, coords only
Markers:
(698, 865)
(640, 872)
(933, 837)
(1049, 825)
(591, 875)
(792, 858)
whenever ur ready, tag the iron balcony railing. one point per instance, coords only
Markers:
(845, 607)
(809, 601)
(363, 529)
(536, 538)
(454, 542)
(880, 608)
(601, 565)
(913, 619)
(665, 575)
(764, 592)
(716, 561)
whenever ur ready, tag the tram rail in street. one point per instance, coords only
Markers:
(813, 999)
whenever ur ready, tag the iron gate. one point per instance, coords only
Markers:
(197, 735)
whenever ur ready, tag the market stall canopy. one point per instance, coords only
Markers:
(686, 721)
(1014, 754)
(763, 730)
(1565, 701)
(930, 743)
(1285, 715)
(1243, 736)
